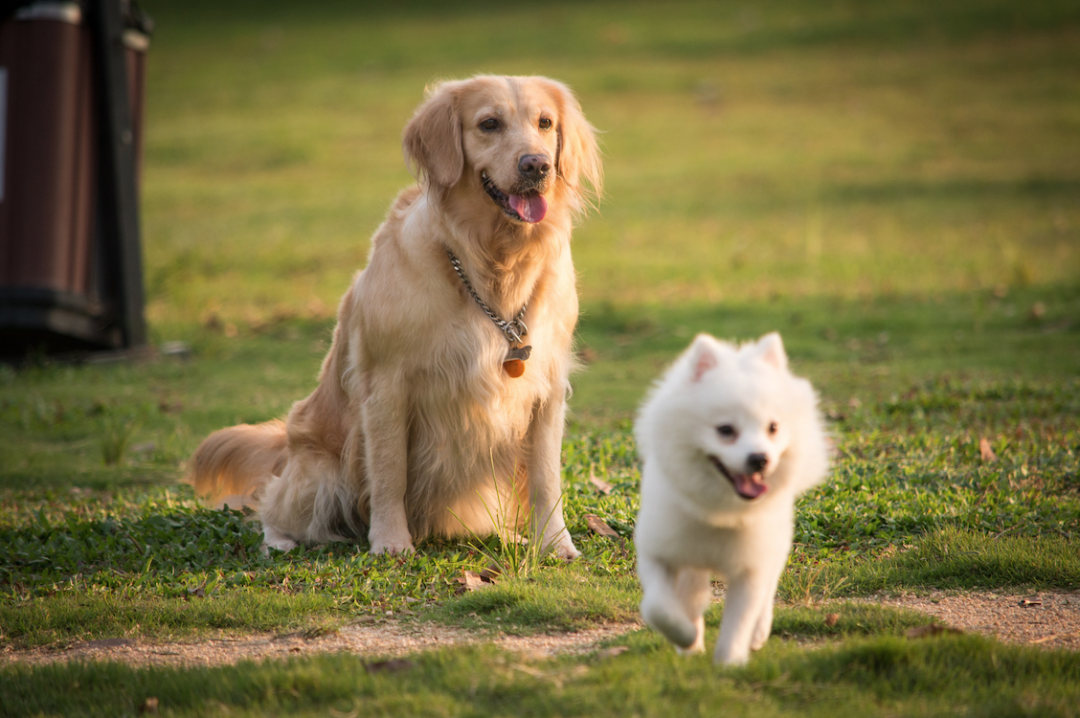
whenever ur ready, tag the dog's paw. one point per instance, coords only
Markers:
(695, 649)
(759, 638)
(676, 628)
(566, 550)
(279, 541)
(698, 646)
(731, 656)
(392, 547)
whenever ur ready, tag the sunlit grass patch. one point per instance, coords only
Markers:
(857, 676)
(561, 598)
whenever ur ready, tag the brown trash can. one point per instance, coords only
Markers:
(57, 288)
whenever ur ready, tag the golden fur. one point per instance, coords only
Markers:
(414, 413)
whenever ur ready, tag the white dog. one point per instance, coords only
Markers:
(729, 437)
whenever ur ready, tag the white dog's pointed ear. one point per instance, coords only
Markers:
(432, 139)
(702, 357)
(771, 348)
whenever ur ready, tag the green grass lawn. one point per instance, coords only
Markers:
(893, 186)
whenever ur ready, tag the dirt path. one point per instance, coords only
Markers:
(1048, 619)
(385, 639)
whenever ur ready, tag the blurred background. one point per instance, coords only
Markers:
(810, 155)
(752, 149)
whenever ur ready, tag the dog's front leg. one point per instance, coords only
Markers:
(386, 463)
(763, 626)
(742, 609)
(545, 478)
(669, 607)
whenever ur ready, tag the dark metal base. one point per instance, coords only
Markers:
(34, 320)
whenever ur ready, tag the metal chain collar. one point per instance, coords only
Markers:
(515, 329)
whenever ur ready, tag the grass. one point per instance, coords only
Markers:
(890, 185)
(791, 150)
(863, 676)
(912, 505)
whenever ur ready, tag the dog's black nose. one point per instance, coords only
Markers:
(757, 462)
(534, 167)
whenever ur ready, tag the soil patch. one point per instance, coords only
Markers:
(1049, 619)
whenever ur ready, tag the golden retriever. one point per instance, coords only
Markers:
(428, 413)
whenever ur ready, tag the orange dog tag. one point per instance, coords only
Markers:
(515, 361)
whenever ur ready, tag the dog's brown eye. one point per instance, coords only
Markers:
(727, 431)
(489, 124)
(773, 427)
(545, 123)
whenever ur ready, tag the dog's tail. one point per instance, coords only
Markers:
(231, 466)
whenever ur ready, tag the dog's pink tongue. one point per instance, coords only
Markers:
(750, 486)
(531, 209)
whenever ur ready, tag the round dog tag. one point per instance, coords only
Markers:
(514, 367)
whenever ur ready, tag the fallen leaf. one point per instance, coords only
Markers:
(491, 573)
(985, 451)
(598, 526)
(197, 592)
(831, 619)
(603, 487)
(394, 665)
(932, 629)
(612, 652)
(1025, 602)
(471, 581)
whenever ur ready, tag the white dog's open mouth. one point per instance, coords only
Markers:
(749, 486)
(528, 207)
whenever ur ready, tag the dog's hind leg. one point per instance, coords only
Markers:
(310, 502)
(663, 607)
(695, 593)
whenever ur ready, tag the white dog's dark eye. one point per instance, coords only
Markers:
(727, 431)
(489, 124)
(773, 427)
(545, 123)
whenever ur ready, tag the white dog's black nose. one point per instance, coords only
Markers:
(757, 462)
(534, 167)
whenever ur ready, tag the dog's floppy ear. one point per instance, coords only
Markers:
(432, 139)
(577, 159)
(771, 348)
(702, 357)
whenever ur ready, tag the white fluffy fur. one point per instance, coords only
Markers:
(692, 522)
